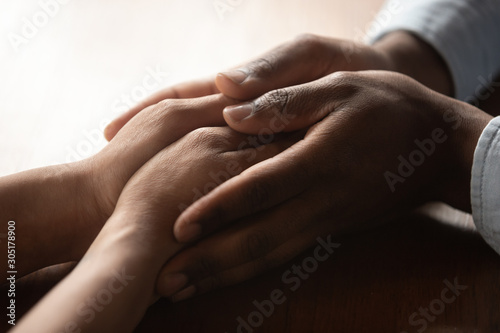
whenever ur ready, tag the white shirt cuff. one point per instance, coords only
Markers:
(463, 32)
(485, 185)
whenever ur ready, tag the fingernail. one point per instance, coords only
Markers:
(172, 283)
(239, 112)
(238, 76)
(189, 232)
(184, 294)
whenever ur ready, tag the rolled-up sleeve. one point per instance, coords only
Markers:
(485, 184)
(464, 32)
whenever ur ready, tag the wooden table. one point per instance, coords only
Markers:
(374, 282)
(65, 82)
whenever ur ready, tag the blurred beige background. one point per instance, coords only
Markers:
(68, 66)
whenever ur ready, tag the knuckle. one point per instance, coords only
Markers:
(269, 64)
(202, 134)
(345, 83)
(341, 77)
(256, 245)
(314, 48)
(309, 41)
(264, 66)
(167, 106)
(167, 110)
(275, 101)
(155, 117)
(208, 137)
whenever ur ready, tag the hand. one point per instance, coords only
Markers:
(166, 122)
(59, 210)
(307, 58)
(190, 167)
(137, 239)
(378, 143)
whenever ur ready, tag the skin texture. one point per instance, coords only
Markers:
(61, 209)
(304, 59)
(345, 130)
(257, 204)
(307, 58)
(49, 219)
(359, 124)
(137, 239)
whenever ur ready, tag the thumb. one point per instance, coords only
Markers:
(306, 58)
(283, 110)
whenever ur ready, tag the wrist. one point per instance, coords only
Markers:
(49, 206)
(463, 124)
(83, 218)
(144, 237)
(410, 55)
(109, 290)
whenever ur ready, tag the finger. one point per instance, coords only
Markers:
(243, 150)
(256, 243)
(158, 126)
(289, 109)
(273, 181)
(183, 90)
(301, 60)
(261, 146)
(245, 271)
(167, 121)
(261, 186)
(232, 151)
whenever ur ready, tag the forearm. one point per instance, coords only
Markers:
(44, 204)
(411, 56)
(109, 290)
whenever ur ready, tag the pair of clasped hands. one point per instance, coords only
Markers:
(289, 147)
